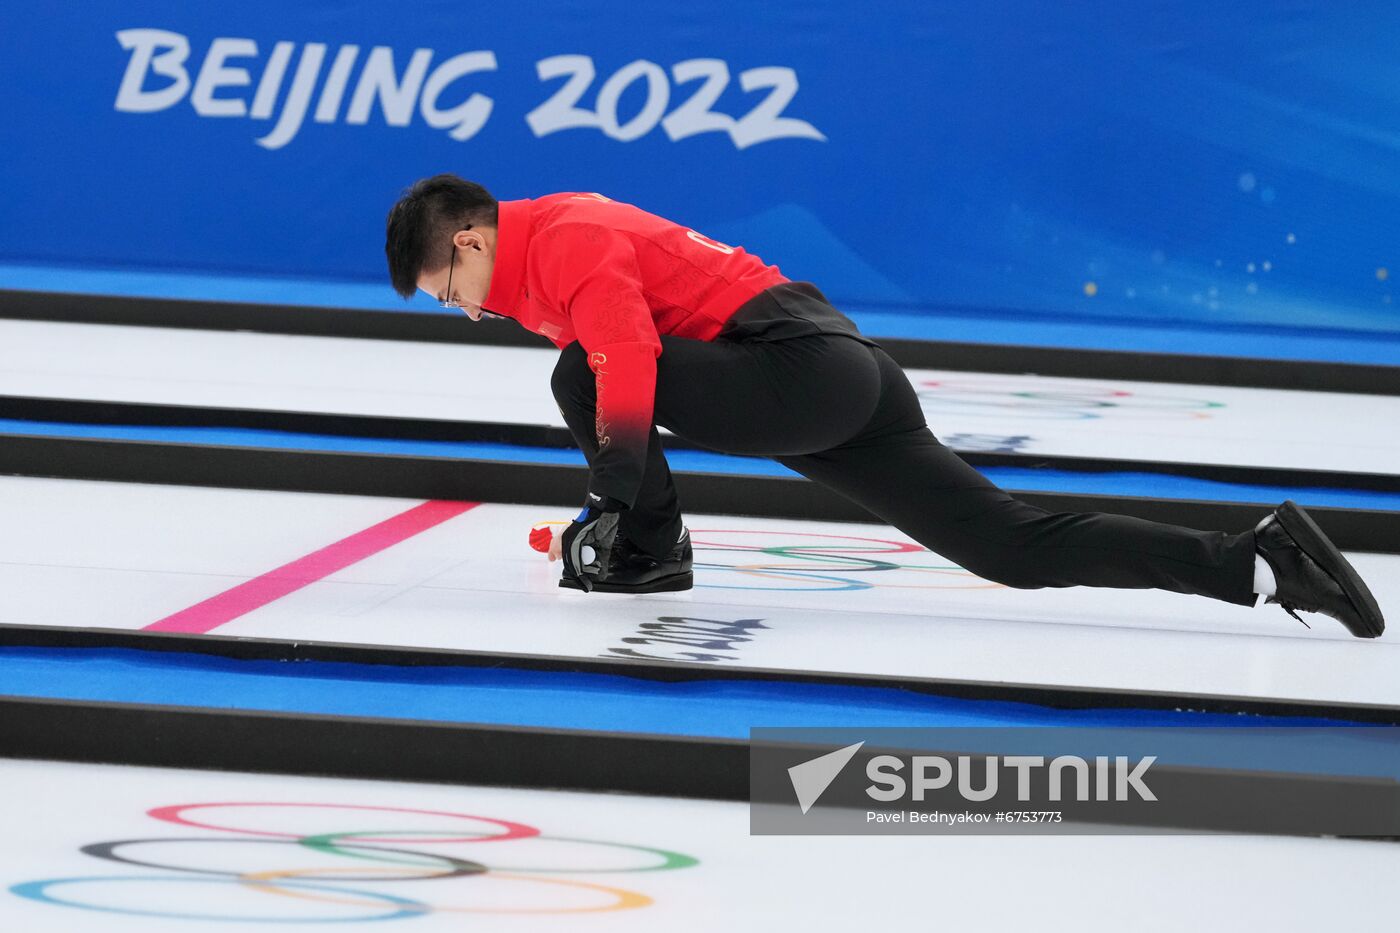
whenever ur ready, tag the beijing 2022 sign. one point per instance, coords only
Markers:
(237, 78)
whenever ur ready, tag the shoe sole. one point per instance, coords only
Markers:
(1315, 544)
(675, 583)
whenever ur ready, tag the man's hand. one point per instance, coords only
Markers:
(586, 545)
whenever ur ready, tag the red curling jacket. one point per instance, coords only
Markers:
(580, 266)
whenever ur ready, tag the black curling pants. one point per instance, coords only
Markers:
(840, 411)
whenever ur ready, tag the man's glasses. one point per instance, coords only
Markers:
(447, 301)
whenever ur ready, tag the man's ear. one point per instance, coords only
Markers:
(469, 239)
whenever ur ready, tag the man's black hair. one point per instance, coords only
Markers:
(418, 235)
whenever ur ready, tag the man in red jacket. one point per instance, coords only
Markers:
(661, 325)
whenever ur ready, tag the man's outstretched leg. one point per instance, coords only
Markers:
(897, 469)
(916, 484)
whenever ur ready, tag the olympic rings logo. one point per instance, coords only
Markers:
(822, 562)
(1066, 402)
(320, 876)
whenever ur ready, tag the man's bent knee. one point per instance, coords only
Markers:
(571, 374)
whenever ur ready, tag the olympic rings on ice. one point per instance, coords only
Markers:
(821, 562)
(312, 868)
(1072, 401)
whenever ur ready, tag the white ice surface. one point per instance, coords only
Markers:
(1115, 419)
(76, 553)
(741, 882)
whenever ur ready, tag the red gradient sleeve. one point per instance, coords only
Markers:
(592, 271)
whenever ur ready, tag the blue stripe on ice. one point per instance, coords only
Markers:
(1154, 485)
(990, 326)
(193, 286)
(726, 708)
(1247, 341)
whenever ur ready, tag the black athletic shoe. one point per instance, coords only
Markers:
(631, 571)
(1312, 574)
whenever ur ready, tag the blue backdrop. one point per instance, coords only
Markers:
(1185, 161)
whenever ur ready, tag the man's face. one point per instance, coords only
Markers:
(468, 276)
